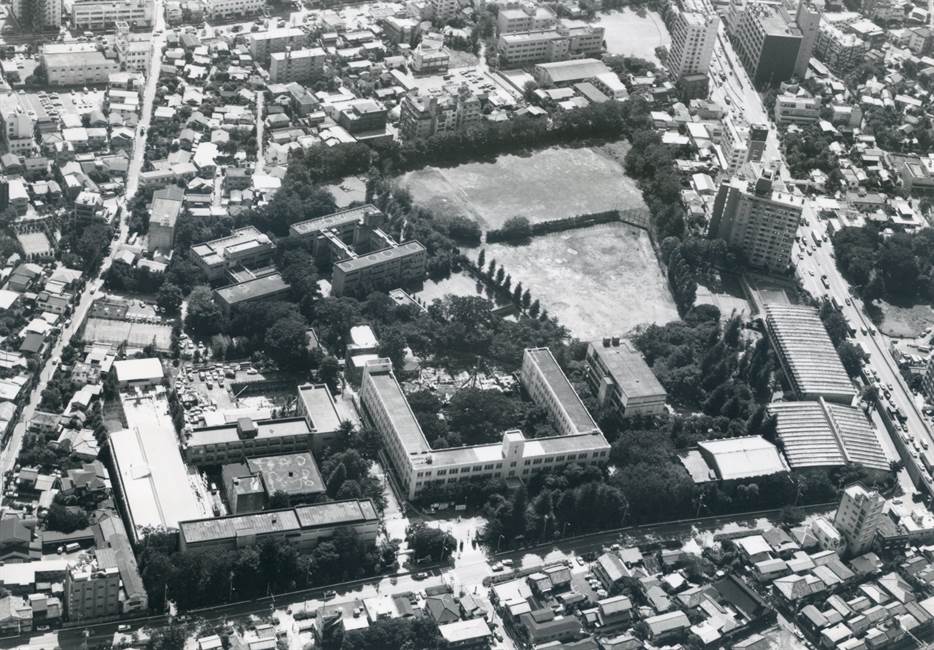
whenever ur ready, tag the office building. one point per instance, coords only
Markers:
(262, 44)
(92, 587)
(767, 42)
(807, 354)
(244, 247)
(797, 109)
(758, 219)
(228, 8)
(392, 266)
(44, 14)
(76, 64)
(422, 116)
(264, 287)
(301, 64)
(163, 214)
(858, 518)
(96, 15)
(418, 466)
(622, 380)
(525, 48)
(302, 526)
(526, 18)
(19, 126)
(693, 35)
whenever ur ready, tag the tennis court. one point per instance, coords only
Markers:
(135, 335)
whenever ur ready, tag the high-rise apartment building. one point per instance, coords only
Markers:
(38, 14)
(444, 9)
(757, 219)
(693, 35)
(767, 41)
(858, 517)
(808, 19)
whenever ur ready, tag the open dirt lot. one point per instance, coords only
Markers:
(548, 184)
(598, 281)
(905, 322)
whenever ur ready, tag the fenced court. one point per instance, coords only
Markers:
(134, 335)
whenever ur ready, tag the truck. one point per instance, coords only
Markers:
(824, 281)
(816, 238)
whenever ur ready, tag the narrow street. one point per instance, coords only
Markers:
(11, 451)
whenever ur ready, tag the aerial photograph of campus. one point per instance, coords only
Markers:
(466, 324)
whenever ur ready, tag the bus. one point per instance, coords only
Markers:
(817, 240)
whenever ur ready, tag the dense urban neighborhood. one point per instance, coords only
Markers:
(466, 324)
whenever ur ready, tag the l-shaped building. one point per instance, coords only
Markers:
(418, 466)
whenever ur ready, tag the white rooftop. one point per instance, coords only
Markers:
(138, 369)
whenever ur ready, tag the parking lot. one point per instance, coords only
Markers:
(205, 390)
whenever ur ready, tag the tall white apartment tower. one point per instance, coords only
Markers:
(693, 35)
(858, 517)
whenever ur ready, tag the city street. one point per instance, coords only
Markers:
(820, 262)
(14, 444)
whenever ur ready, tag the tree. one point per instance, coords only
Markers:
(516, 230)
(534, 308)
(286, 343)
(169, 298)
(852, 357)
(429, 542)
(392, 346)
(481, 258)
(204, 317)
(279, 499)
(500, 275)
(65, 519)
(491, 269)
(526, 299)
(336, 479)
(481, 416)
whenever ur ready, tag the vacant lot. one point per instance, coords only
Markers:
(905, 322)
(547, 184)
(598, 281)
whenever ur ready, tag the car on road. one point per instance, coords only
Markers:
(507, 563)
(580, 560)
(329, 594)
(419, 576)
(123, 627)
(849, 302)
(497, 566)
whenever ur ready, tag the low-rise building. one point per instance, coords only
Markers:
(244, 247)
(303, 526)
(526, 18)
(92, 587)
(262, 44)
(228, 8)
(397, 264)
(523, 48)
(131, 373)
(76, 64)
(622, 380)
(264, 287)
(96, 15)
(797, 109)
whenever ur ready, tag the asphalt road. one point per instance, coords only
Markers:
(820, 262)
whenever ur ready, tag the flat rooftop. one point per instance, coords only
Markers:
(294, 474)
(214, 251)
(152, 475)
(629, 370)
(823, 434)
(381, 256)
(568, 398)
(334, 513)
(319, 407)
(227, 433)
(333, 220)
(397, 406)
(255, 289)
(744, 457)
(807, 353)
